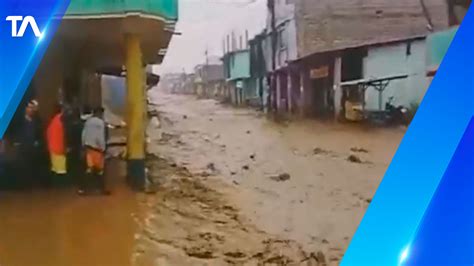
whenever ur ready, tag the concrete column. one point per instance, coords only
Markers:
(337, 87)
(302, 92)
(306, 91)
(278, 92)
(135, 112)
(290, 92)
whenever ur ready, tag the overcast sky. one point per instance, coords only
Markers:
(204, 24)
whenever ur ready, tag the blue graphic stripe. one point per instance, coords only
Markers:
(391, 221)
(446, 234)
(20, 57)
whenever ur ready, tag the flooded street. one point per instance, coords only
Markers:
(232, 188)
(57, 227)
(228, 132)
(231, 182)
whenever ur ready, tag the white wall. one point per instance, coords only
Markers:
(285, 21)
(390, 60)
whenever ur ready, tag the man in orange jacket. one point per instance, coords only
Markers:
(56, 145)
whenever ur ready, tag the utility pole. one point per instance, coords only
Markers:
(273, 36)
(271, 7)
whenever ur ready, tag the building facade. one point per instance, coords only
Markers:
(258, 69)
(237, 73)
(397, 59)
(327, 44)
(210, 80)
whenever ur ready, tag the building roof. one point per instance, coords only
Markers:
(336, 24)
(374, 43)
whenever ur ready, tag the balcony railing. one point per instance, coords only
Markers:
(166, 9)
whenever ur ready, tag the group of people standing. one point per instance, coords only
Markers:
(70, 149)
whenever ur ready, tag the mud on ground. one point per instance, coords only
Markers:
(190, 223)
(236, 188)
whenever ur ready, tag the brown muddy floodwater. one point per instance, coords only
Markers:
(58, 228)
(232, 188)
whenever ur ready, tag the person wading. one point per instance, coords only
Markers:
(94, 143)
(56, 146)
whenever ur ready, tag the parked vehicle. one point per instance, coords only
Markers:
(391, 116)
(397, 115)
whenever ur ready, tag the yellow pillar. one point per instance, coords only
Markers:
(135, 112)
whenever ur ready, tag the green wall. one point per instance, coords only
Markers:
(438, 44)
(239, 65)
(168, 9)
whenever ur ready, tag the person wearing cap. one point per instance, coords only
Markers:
(94, 144)
(55, 136)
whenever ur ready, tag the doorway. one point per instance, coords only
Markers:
(322, 100)
(322, 94)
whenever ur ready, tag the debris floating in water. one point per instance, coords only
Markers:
(359, 150)
(281, 177)
(354, 159)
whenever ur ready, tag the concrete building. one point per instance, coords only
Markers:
(179, 83)
(171, 82)
(258, 69)
(210, 80)
(334, 24)
(104, 36)
(237, 73)
(304, 62)
(322, 95)
(397, 58)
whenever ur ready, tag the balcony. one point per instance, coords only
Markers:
(165, 9)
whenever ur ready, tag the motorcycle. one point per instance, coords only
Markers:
(396, 115)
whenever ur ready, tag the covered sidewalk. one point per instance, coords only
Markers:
(104, 37)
